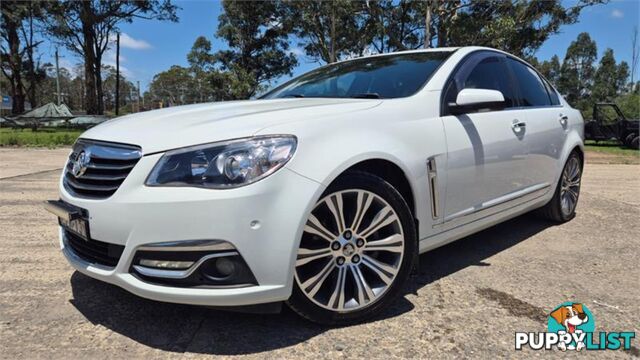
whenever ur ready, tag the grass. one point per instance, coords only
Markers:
(610, 147)
(611, 153)
(49, 138)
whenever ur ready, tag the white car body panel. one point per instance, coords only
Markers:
(486, 174)
(176, 127)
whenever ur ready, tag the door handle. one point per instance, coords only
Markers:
(563, 119)
(518, 126)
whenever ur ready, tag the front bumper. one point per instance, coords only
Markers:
(263, 221)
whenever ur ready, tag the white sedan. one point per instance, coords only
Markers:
(323, 192)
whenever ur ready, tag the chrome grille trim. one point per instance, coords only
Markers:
(109, 165)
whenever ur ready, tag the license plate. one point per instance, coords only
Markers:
(79, 227)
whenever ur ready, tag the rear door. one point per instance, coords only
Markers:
(546, 128)
(486, 150)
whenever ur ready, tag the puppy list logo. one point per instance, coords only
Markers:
(571, 326)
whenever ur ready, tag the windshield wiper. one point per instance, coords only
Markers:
(295, 95)
(367, 96)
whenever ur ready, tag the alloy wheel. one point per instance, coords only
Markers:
(351, 250)
(570, 186)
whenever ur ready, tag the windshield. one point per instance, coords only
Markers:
(383, 77)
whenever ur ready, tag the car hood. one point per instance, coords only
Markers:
(180, 126)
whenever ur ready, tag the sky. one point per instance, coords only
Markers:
(149, 47)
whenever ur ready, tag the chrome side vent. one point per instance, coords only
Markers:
(432, 174)
(96, 169)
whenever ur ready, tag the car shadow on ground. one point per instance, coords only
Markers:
(183, 328)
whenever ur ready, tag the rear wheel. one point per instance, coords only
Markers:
(628, 140)
(562, 206)
(356, 251)
(635, 143)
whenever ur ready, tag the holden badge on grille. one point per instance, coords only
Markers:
(81, 163)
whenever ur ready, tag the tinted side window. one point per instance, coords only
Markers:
(553, 95)
(491, 73)
(480, 71)
(531, 90)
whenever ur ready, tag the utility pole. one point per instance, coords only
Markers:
(138, 82)
(117, 73)
(57, 77)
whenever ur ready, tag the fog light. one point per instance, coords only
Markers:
(225, 266)
(166, 264)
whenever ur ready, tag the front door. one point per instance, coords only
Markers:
(486, 150)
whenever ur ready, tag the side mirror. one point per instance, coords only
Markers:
(471, 100)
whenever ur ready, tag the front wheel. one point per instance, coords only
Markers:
(562, 206)
(356, 251)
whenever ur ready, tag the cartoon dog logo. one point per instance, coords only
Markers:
(570, 317)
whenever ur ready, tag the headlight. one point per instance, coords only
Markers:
(223, 165)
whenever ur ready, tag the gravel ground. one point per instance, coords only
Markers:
(467, 299)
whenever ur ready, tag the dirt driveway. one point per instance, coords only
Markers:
(467, 300)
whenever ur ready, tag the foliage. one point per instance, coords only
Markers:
(576, 74)
(609, 78)
(87, 28)
(396, 27)
(20, 19)
(332, 30)
(629, 105)
(519, 27)
(172, 87)
(257, 37)
(550, 69)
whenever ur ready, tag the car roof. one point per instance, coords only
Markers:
(465, 49)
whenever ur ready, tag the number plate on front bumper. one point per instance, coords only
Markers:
(79, 227)
(70, 217)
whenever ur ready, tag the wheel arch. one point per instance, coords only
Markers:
(388, 171)
(573, 143)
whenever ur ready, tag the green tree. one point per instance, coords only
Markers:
(257, 36)
(87, 28)
(330, 30)
(622, 78)
(127, 89)
(630, 105)
(605, 80)
(172, 87)
(550, 69)
(519, 27)
(19, 21)
(577, 71)
(201, 64)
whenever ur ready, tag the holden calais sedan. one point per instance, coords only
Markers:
(322, 193)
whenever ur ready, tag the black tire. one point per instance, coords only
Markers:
(553, 209)
(357, 180)
(628, 140)
(635, 143)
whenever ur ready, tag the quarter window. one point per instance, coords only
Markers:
(531, 90)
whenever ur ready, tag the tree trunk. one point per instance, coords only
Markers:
(99, 90)
(91, 103)
(427, 26)
(332, 49)
(15, 64)
(32, 73)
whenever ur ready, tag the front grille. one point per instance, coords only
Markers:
(96, 169)
(94, 251)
